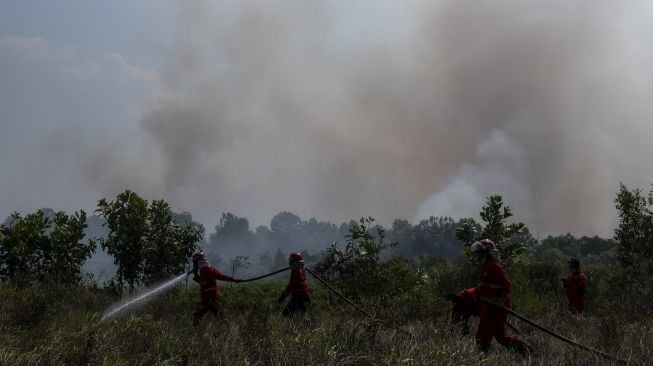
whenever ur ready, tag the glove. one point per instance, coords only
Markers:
(280, 299)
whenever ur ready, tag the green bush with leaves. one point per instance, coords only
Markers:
(509, 238)
(358, 269)
(41, 248)
(168, 244)
(634, 235)
(147, 243)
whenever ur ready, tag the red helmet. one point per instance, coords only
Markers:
(198, 256)
(295, 258)
(484, 246)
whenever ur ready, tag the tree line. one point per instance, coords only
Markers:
(149, 242)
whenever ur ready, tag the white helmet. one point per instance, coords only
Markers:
(485, 246)
(199, 259)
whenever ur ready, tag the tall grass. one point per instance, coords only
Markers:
(51, 326)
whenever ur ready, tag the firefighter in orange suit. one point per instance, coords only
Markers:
(297, 287)
(574, 285)
(465, 304)
(494, 285)
(206, 276)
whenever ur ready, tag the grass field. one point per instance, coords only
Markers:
(43, 325)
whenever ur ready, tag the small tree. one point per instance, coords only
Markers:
(287, 230)
(37, 248)
(494, 214)
(127, 220)
(357, 268)
(403, 233)
(634, 235)
(145, 239)
(230, 234)
(168, 245)
(23, 247)
(69, 251)
(239, 262)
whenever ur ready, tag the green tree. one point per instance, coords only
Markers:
(287, 230)
(69, 250)
(403, 234)
(231, 233)
(595, 245)
(22, 247)
(38, 248)
(634, 235)
(358, 268)
(286, 223)
(168, 244)
(127, 220)
(468, 232)
(436, 236)
(239, 262)
(316, 235)
(562, 246)
(146, 240)
(494, 214)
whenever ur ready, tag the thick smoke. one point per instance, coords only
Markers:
(406, 109)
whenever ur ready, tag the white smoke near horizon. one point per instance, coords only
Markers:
(396, 109)
(501, 169)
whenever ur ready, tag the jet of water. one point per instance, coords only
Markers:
(143, 296)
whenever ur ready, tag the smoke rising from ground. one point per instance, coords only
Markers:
(403, 109)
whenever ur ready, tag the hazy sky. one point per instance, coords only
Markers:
(330, 109)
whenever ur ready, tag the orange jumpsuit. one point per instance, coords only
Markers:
(494, 284)
(463, 309)
(299, 290)
(209, 293)
(575, 289)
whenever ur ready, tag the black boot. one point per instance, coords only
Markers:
(521, 348)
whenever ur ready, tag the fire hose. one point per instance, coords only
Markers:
(354, 305)
(335, 292)
(552, 333)
(265, 275)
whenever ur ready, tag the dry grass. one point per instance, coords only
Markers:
(41, 326)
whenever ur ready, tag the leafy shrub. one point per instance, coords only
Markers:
(44, 248)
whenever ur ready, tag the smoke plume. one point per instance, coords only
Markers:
(405, 109)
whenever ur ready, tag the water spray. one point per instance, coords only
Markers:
(171, 282)
(145, 295)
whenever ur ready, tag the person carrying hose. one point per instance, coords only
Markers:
(494, 285)
(297, 287)
(574, 285)
(206, 276)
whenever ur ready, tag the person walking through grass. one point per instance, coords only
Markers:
(574, 285)
(206, 276)
(494, 286)
(297, 287)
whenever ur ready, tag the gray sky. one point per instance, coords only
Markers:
(328, 108)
